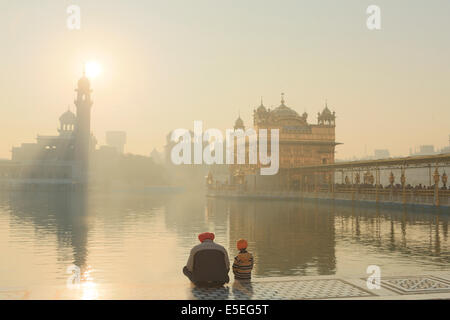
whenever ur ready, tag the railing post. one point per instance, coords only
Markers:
(289, 179)
(429, 174)
(315, 183)
(332, 184)
(391, 182)
(377, 183)
(403, 181)
(436, 187)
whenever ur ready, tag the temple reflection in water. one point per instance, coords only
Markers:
(292, 241)
(62, 214)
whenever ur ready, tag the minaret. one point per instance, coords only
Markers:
(83, 127)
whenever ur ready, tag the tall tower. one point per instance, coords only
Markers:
(83, 127)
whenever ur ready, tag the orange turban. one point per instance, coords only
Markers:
(242, 244)
(206, 235)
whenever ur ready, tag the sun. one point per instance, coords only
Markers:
(93, 69)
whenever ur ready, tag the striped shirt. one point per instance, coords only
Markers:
(243, 265)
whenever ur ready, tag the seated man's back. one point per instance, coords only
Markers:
(208, 263)
(209, 266)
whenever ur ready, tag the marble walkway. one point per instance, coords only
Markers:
(424, 286)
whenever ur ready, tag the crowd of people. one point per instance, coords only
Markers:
(397, 186)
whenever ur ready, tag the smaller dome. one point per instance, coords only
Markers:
(68, 117)
(239, 123)
(261, 109)
(326, 111)
(326, 116)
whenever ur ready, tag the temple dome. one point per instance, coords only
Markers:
(326, 111)
(284, 111)
(261, 108)
(326, 116)
(239, 123)
(68, 117)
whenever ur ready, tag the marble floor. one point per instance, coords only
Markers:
(425, 286)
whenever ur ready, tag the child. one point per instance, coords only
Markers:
(243, 262)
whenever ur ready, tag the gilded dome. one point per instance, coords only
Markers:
(284, 111)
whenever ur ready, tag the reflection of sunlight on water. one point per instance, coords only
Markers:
(89, 291)
(88, 286)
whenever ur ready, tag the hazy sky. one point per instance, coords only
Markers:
(167, 63)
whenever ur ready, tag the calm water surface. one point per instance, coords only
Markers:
(122, 238)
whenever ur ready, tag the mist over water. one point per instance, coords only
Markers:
(145, 238)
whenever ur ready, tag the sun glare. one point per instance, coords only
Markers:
(93, 69)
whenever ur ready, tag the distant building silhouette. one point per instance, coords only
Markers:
(50, 148)
(70, 158)
(423, 151)
(116, 139)
(156, 156)
(447, 148)
(381, 153)
(62, 158)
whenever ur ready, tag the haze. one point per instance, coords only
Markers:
(168, 63)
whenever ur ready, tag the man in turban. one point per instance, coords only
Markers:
(208, 263)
